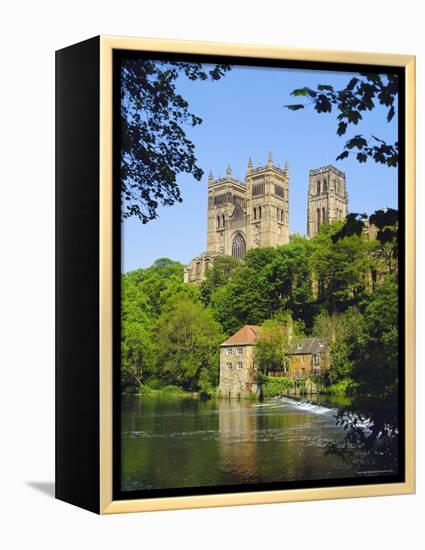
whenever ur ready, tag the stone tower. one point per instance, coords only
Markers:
(250, 213)
(268, 205)
(244, 214)
(327, 198)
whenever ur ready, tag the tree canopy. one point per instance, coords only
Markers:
(362, 93)
(154, 144)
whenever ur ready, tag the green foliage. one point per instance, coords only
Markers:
(271, 347)
(361, 94)
(187, 344)
(376, 371)
(340, 388)
(271, 280)
(274, 386)
(343, 332)
(154, 144)
(343, 269)
(152, 299)
(219, 274)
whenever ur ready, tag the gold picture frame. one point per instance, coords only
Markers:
(106, 47)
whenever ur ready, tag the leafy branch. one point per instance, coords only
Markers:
(363, 93)
(154, 144)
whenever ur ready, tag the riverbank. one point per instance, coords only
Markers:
(271, 387)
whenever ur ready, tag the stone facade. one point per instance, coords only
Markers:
(327, 198)
(255, 212)
(244, 214)
(237, 367)
(308, 356)
(238, 371)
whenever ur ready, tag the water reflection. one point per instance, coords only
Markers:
(179, 442)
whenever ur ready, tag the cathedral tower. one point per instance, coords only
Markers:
(327, 198)
(267, 205)
(244, 214)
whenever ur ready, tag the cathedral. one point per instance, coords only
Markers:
(255, 212)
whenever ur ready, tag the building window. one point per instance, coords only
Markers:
(316, 358)
(255, 213)
(259, 212)
(318, 187)
(323, 216)
(229, 366)
(239, 365)
(325, 185)
(238, 351)
(218, 221)
(222, 220)
(238, 246)
(229, 351)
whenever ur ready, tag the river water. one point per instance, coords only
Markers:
(174, 442)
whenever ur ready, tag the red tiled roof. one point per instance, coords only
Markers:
(246, 335)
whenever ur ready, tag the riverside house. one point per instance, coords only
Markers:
(238, 371)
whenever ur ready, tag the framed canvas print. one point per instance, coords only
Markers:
(235, 274)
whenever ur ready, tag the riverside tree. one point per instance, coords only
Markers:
(154, 144)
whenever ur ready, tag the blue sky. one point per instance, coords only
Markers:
(243, 116)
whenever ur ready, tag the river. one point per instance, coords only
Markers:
(174, 442)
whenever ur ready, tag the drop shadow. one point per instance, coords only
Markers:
(46, 487)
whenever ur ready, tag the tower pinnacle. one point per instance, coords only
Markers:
(270, 160)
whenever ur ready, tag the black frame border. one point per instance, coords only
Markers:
(118, 494)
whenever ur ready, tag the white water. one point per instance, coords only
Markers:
(307, 406)
(314, 408)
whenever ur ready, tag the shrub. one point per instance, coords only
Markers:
(274, 386)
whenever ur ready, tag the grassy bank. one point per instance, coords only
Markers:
(337, 389)
(165, 390)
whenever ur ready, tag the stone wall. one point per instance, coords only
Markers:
(237, 373)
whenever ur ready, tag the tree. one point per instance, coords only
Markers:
(187, 344)
(362, 93)
(343, 269)
(376, 371)
(136, 333)
(343, 332)
(154, 144)
(271, 347)
(371, 421)
(221, 272)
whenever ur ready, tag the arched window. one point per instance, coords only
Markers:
(222, 220)
(259, 212)
(325, 185)
(318, 187)
(318, 218)
(323, 215)
(238, 246)
(255, 213)
(282, 213)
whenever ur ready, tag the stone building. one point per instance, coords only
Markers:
(308, 356)
(327, 198)
(244, 214)
(238, 371)
(255, 212)
(237, 368)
